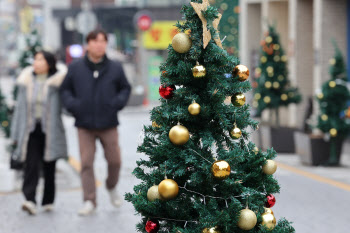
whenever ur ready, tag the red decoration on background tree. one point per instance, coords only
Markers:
(270, 201)
(166, 91)
(152, 226)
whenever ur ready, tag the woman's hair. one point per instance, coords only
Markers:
(50, 59)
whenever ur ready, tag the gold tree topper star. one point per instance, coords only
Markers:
(199, 7)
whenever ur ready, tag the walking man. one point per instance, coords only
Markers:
(94, 90)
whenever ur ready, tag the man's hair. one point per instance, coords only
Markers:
(93, 35)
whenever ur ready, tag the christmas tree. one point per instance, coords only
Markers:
(33, 45)
(272, 87)
(333, 103)
(229, 24)
(202, 173)
(4, 115)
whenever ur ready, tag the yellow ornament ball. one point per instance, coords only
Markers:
(268, 84)
(320, 96)
(257, 96)
(211, 230)
(221, 169)
(242, 72)
(182, 43)
(267, 99)
(199, 71)
(179, 135)
(269, 167)
(269, 69)
(280, 78)
(332, 84)
(247, 220)
(263, 59)
(276, 58)
(194, 109)
(332, 61)
(268, 39)
(256, 150)
(276, 46)
(268, 219)
(284, 97)
(284, 58)
(255, 104)
(5, 124)
(276, 85)
(235, 133)
(333, 132)
(168, 189)
(238, 99)
(324, 117)
(153, 194)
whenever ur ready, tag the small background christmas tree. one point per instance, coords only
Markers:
(272, 86)
(4, 115)
(333, 119)
(202, 174)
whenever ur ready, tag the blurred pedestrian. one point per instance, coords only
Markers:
(94, 90)
(37, 129)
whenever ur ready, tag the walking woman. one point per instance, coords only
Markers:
(37, 128)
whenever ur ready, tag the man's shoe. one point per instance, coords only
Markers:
(87, 209)
(29, 207)
(116, 200)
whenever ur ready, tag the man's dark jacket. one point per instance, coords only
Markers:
(94, 93)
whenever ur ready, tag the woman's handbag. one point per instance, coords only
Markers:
(15, 162)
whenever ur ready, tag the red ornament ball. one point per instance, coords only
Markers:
(271, 201)
(152, 226)
(166, 91)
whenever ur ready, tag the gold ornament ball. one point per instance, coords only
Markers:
(153, 194)
(179, 135)
(332, 61)
(267, 99)
(242, 72)
(255, 104)
(332, 84)
(333, 132)
(280, 78)
(256, 150)
(199, 71)
(238, 99)
(221, 169)
(168, 189)
(268, 220)
(268, 210)
(291, 94)
(269, 167)
(276, 46)
(194, 109)
(284, 97)
(268, 85)
(211, 230)
(182, 43)
(258, 70)
(324, 117)
(236, 133)
(247, 219)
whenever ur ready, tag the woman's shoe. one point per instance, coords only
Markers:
(29, 207)
(48, 208)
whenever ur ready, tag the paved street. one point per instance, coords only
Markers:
(311, 203)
